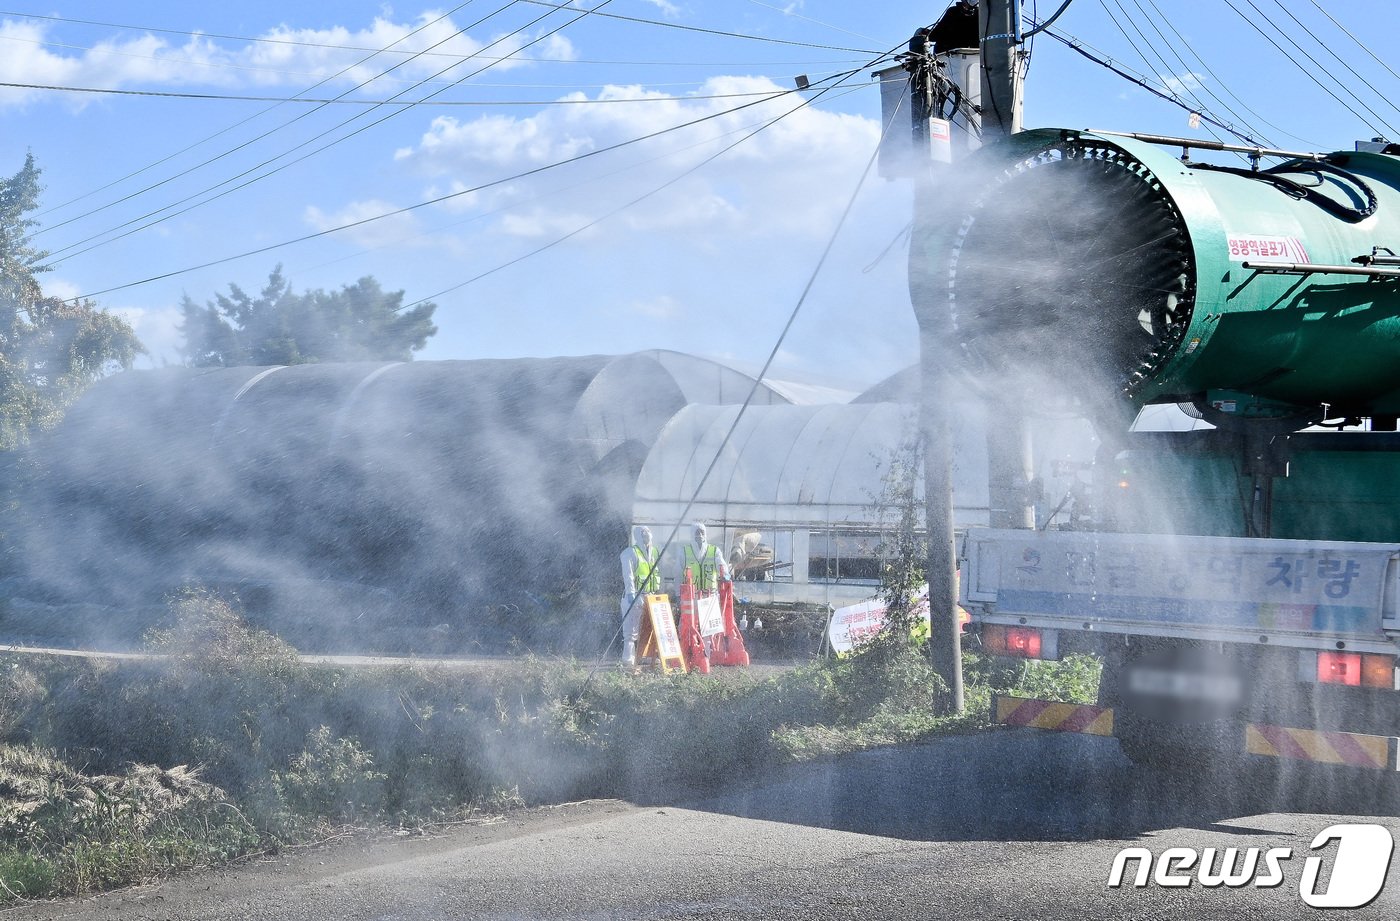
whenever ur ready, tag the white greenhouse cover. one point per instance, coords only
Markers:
(791, 465)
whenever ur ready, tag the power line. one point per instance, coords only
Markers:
(1182, 42)
(685, 28)
(1195, 104)
(1337, 57)
(1045, 24)
(218, 35)
(788, 11)
(556, 190)
(1310, 75)
(1345, 89)
(763, 372)
(305, 44)
(447, 54)
(319, 104)
(242, 122)
(598, 220)
(323, 147)
(385, 102)
(1358, 41)
(1186, 68)
(165, 59)
(1080, 48)
(434, 201)
(253, 140)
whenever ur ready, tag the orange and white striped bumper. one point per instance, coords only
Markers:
(1046, 714)
(1378, 753)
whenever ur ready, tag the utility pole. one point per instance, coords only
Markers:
(1010, 463)
(995, 102)
(1000, 22)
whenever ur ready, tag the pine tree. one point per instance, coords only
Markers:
(360, 322)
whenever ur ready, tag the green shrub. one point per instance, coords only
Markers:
(1074, 679)
(278, 750)
(332, 779)
(24, 875)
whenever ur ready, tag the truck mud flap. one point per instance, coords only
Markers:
(1379, 753)
(1048, 714)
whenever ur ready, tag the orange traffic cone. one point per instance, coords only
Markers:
(691, 643)
(728, 647)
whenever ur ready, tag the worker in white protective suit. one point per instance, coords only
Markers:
(706, 566)
(704, 562)
(641, 574)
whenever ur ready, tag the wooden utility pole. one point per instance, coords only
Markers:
(1007, 444)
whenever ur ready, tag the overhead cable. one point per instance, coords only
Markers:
(1192, 102)
(1181, 42)
(768, 363)
(790, 11)
(555, 191)
(1048, 22)
(323, 81)
(1338, 58)
(387, 102)
(1310, 75)
(1186, 70)
(362, 48)
(686, 28)
(1358, 41)
(437, 200)
(268, 133)
(620, 208)
(1317, 64)
(1078, 47)
(313, 152)
(337, 47)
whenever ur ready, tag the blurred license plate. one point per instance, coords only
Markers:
(1181, 685)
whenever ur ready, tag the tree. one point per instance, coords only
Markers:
(903, 551)
(50, 349)
(360, 322)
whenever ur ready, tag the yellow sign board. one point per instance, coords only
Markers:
(658, 637)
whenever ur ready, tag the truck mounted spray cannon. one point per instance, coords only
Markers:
(1241, 579)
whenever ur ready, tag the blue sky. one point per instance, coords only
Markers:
(711, 259)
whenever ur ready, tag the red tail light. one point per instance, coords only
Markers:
(1020, 642)
(1356, 669)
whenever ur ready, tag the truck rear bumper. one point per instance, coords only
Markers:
(1373, 752)
(1046, 714)
(1378, 753)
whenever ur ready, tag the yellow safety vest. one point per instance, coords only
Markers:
(703, 573)
(645, 573)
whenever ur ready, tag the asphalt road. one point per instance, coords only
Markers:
(1015, 824)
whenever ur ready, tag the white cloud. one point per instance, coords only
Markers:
(539, 222)
(791, 178)
(158, 328)
(289, 58)
(499, 140)
(59, 288)
(1181, 84)
(382, 232)
(667, 8)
